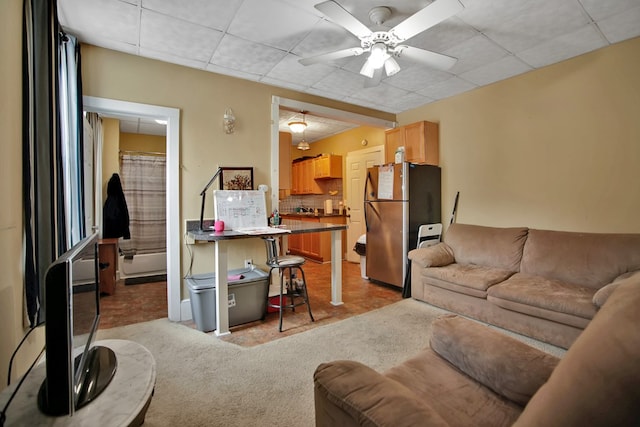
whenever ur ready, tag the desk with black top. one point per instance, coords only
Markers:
(294, 227)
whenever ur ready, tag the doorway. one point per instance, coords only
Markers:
(357, 163)
(338, 115)
(172, 117)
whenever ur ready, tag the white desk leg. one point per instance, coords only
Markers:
(222, 290)
(336, 267)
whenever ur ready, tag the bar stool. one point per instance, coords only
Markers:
(287, 264)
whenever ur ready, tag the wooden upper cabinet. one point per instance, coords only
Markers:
(420, 140)
(302, 178)
(328, 166)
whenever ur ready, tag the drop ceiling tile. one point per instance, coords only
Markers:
(152, 129)
(622, 26)
(599, 9)
(289, 69)
(380, 92)
(341, 82)
(325, 37)
(110, 19)
(366, 104)
(483, 14)
(267, 22)
(407, 102)
(242, 55)
(176, 37)
(447, 88)
(233, 73)
(325, 94)
(504, 68)
(283, 83)
(582, 41)
(473, 53)
(216, 14)
(118, 46)
(128, 126)
(416, 77)
(443, 36)
(173, 59)
(541, 21)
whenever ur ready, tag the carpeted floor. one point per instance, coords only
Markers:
(205, 381)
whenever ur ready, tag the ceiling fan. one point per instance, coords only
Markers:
(385, 46)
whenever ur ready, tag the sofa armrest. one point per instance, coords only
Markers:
(602, 295)
(507, 366)
(350, 393)
(432, 256)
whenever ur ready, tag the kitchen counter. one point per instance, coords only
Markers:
(320, 214)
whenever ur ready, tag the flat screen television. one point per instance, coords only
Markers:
(77, 371)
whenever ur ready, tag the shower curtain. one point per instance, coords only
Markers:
(143, 183)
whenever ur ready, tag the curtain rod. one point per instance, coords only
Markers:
(154, 153)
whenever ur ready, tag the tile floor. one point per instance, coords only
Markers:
(140, 303)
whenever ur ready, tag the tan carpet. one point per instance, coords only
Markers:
(204, 381)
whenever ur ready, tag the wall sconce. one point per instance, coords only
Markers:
(229, 121)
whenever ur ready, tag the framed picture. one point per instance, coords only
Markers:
(236, 179)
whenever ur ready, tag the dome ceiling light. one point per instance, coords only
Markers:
(298, 126)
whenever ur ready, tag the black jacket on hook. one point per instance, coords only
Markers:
(115, 214)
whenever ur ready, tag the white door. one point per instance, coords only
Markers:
(357, 163)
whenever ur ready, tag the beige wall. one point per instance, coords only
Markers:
(556, 148)
(202, 98)
(12, 319)
(110, 147)
(151, 144)
(344, 142)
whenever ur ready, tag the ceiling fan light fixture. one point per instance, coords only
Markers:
(378, 55)
(367, 69)
(391, 67)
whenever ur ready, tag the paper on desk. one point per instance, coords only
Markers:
(262, 230)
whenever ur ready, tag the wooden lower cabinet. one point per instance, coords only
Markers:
(315, 246)
(108, 256)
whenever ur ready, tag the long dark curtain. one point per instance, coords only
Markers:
(45, 228)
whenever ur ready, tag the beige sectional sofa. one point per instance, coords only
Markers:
(474, 375)
(544, 284)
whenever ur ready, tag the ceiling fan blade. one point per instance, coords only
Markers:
(332, 56)
(340, 16)
(375, 80)
(426, 18)
(426, 57)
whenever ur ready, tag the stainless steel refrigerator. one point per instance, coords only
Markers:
(398, 199)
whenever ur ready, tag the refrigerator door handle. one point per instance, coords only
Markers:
(366, 201)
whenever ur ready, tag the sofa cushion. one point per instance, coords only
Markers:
(597, 382)
(585, 259)
(459, 400)
(348, 392)
(507, 366)
(488, 246)
(545, 298)
(466, 278)
(432, 256)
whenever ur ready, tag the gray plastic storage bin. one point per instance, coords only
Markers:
(247, 297)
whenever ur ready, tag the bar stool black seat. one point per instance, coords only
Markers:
(287, 266)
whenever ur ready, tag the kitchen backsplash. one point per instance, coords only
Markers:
(290, 203)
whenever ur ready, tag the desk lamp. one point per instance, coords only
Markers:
(204, 193)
